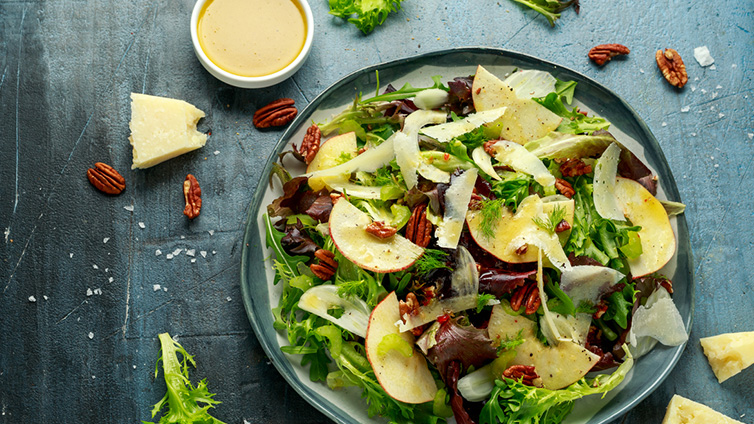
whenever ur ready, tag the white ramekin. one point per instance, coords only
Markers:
(252, 82)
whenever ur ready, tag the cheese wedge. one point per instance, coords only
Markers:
(728, 354)
(684, 411)
(162, 128)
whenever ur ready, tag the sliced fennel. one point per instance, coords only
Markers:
(484, 162)
(319, 299)
(518, 158)
(531, 83)
(448, 131)
(476, 386)
(406, 146)
(369, 161)
(431, 98)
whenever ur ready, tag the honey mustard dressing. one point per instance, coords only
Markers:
(252, 38)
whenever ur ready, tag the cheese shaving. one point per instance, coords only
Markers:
(518, 158)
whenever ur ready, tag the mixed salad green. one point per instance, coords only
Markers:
(472, 249)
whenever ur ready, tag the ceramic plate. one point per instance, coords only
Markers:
(260, 295)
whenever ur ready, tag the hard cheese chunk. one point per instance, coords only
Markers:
(683, 411)
(729, 353)
(162, 128)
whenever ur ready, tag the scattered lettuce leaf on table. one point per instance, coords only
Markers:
(550, 9)
(182, 398)
(364, 14)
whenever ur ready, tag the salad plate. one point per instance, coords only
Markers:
(261, 295)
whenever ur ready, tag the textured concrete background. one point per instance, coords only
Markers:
(66, 70)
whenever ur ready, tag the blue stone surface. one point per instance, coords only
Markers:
(84, 350)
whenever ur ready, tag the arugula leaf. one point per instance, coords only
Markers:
(405, 92)
(368, 13)
(182, 398)
(574, 122)
(550, 8)
(512, 402)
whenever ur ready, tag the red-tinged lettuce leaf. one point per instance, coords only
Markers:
(456, 400)
(297, 198)
(466, 344)
(498, 282)
(582, 260)
(296, 241)
(459, 97)
(320, 207)
(286, 204)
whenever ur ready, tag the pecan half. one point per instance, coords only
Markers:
(672, 67)
(419, 229)
(409, 307)
(327, 265)
(564, 187)
(574, 168)
(563, 225)
(106, 179)
(523, 373)
(192, 193)
(604, 52)
(310, 144)
(526, 296)
(488, 147)
(275, 114)
(381, 230)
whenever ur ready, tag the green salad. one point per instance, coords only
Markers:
(478, 248)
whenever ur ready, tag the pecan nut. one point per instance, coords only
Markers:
(381, 230)
(327, 265)
(564, 187)
(605, 52)
(563, 225)
(419, 229)
(106, 179)
(672, 67)
(574, 168)
(523, 373)
(489, 147)
(310, 145)
(528, 297)
(409, 307)
(192, 193)
(275, 114)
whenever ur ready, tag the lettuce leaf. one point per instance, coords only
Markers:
(182, 398)
(574, 122)
(513, 402)
(364, 14)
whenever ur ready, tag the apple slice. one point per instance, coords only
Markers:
(656, 234)
(405, 378)
(329, 155)
(558, 365)
(510, 227)
(524, 119)
(348, 231)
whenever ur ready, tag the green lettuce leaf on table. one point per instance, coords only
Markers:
(550, 9)
(364, 14)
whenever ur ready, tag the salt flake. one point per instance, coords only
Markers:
(720, 115)
(191, 252)
(105, 240)
(129, 208)
(751, 136)
(203, 253)
(158, 252)
(701, 54)
(228, 299)
(91, 336)
(98, 292)
(169, 256)
(211, 232)
(664, 124)
(141, 225)
(177, 252)
(156, 287)
(713, 67)
(216, 152)
(111, 279)
(685, 109)
(719, 87)
(193, 260)
(95, 266)
(32, 299)
(45, 297)
(89, 292)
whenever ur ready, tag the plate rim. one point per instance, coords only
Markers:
(671, 190)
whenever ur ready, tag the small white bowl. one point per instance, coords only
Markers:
(253, 82)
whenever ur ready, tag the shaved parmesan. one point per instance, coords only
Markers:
(406, 148)
(464, 284)
(431, 98)
(659, 319)
(457, 198)
(518, 158)
(605, 172)
(484, 162)
(363, 192)
(319, 299)
(588, 282)
(369, 161)
(574, 328)
(450, 130)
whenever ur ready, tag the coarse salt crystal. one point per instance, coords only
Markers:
(719, 87)
(720, 115)
(70, 255)
(216, 152)
(156, 287)
(641, 70)
(211, 232)
(714, 94)
(111, 279)
(693, 88)
(191, 252)
(177, 251)
(89, 292)
(169, 256)
(95, 266)
(685, 109)
(32, 299)
(91, 336)
(214, 252)
(664, 124)
(164, 289)
(134, 366)
(751, 136)
(158, 252)
(693, 134)
(734, 66)
(717, 165)
(193, 260)
(105, 240)
(183, 237)
(701, 54)
(141, 225)
(713, 67)
(228, 299)
(45, 297)
(97, 291)
(203, 253)
(129, 208)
